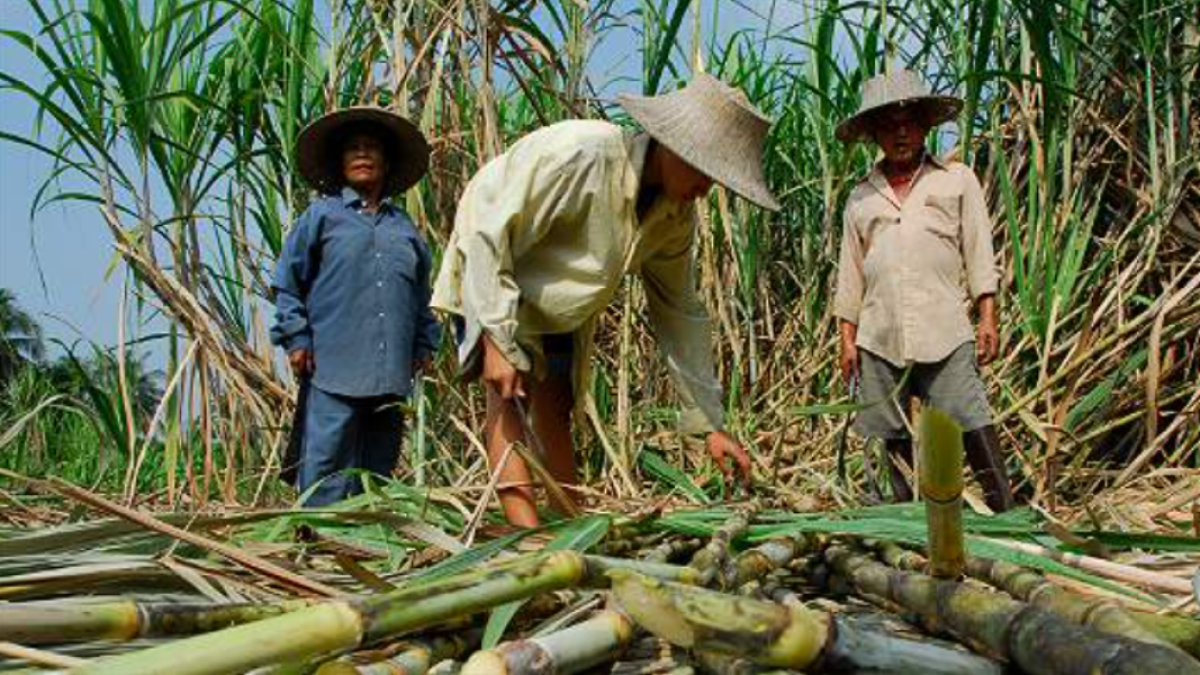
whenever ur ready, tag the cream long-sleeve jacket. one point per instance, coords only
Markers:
(543, 237)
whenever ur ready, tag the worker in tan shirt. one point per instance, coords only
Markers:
(916, 254)
(544, 235)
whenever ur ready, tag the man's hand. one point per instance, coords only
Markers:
(499, 373)
(849, 358)
(721, 444)
(987, 335)
(302, 362)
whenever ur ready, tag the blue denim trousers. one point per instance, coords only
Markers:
(345, 432)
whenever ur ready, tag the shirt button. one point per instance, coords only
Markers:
(379, 284)
(378, 255)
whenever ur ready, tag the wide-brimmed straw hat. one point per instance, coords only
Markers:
(714, 128)
(897, 88)
(318, 155)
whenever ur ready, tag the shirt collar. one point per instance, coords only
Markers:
(880, 181)
(352, 199)
(638, 144)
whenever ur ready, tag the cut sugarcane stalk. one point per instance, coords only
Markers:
(1102, 614)
(858, 648)
(598, 640)
(691, 617)
(941, 490)
(710, 560)
(672, 548)
(412, 657)
(1038, 641)
(1181, 631)
(765, 558)
(598, 568)
(340, 626)
(60, 622)
(1024, 584)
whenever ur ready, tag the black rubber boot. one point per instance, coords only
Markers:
(899, 448)
(987, 463)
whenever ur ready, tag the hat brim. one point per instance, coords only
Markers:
(939, 110)
(735, 171)
(406, 150)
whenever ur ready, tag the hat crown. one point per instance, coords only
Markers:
(714, 127)
(898, 85)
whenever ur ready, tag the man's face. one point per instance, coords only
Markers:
(363, 162)
(900, 132)
(681, 182)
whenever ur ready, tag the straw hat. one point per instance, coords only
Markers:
(713, 127)
(898, 88)
(319, 160)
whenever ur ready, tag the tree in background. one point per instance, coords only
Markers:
(20, 337)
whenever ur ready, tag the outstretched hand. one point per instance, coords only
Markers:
(722, 446)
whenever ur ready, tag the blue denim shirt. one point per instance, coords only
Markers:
(354, 288)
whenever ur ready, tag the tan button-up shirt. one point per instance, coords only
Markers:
(544, 235)
(908, 269)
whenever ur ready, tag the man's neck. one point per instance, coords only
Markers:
(894, 169)
(371, 196)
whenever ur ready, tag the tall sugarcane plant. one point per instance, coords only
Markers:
(178, 120)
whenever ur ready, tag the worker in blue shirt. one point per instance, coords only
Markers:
(352, 297)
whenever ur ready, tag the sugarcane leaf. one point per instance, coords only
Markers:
(670, 475)
(576, 535)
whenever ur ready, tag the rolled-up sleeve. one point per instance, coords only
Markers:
(847, 302)
(294, 273)
(684, 333)
(978, 254)
(513, 203)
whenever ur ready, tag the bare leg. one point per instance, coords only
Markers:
(551, 404)
(502, 429)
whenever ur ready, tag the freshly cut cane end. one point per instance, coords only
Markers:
(485, 663)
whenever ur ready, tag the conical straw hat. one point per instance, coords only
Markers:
(900, 88)
(319, 161)
(713, 127)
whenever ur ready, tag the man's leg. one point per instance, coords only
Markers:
(884, 417)
(956, 388)
(331, 429)
(551, 404)
(987, 463)
(383, 431)
(501, 429)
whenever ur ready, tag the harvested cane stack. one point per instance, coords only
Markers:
(743, 590)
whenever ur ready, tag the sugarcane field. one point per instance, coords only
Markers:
(629, 337)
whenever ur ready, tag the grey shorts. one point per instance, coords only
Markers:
(952, 385)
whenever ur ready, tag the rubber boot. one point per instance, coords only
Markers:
(987, 463)
(899, 448)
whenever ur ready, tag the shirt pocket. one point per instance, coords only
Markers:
(943, 216)
(406, 262)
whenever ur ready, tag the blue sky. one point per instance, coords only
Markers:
(69, 241)
(59, 263)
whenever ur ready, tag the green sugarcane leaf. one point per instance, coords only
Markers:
(671, 476)
(576, 535)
